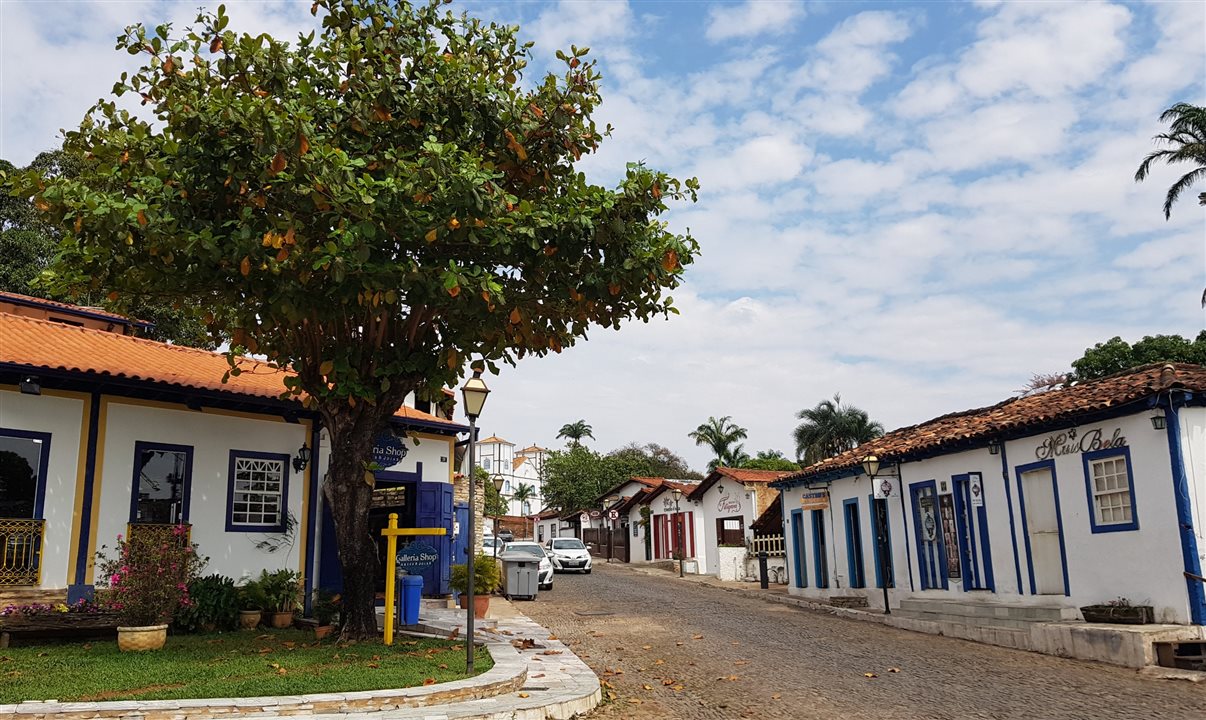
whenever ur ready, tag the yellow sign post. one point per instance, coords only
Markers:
(391, 535)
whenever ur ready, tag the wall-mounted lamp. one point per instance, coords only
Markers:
(303, 458)
(30, 385)
(994, 448)
(871, 466)
(1159, 422)
(720, 487)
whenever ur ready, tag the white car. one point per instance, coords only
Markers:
(569, 554)
(545, 571)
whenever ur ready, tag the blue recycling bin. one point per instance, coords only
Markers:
(412, 598)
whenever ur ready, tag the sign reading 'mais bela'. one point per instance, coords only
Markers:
(388, 450)
(1067, 443)
(814, 500)
(417, 556)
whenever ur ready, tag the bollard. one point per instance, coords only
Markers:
(763, 580)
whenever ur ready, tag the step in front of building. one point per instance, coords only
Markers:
(985, 611)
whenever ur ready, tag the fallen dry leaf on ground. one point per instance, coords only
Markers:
(870, 675)
(646, 647)
(777, 696)
(697, 637)
(429, 681)
(524, 695)
(893, 669)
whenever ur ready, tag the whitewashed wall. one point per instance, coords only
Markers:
(737, 500)
(434, 451)
(1193, 451)
(1143, 565)
(212, 437)
(62, 417)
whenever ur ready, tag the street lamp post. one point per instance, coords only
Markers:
(498, 486)
(678, 529)
(871, 467)
(474, 393)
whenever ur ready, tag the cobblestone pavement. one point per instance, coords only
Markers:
(672, 649)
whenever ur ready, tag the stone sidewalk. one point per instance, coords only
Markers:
(535, 677)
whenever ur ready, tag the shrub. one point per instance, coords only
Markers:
(251, 596)
(486, 576)
(213, 604)
(326, 606)
(282, 590)
(148, 578)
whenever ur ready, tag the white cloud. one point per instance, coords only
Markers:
(753, 17)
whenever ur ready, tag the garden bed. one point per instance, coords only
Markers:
(230, 665)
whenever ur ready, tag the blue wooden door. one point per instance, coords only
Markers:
(460, 544)
(435, 510)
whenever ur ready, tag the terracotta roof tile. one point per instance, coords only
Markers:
(1017, 417)
(494, 439)
(741, 475)
(41, 344)
(29, 300)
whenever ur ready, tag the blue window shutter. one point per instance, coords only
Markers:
(435, 510)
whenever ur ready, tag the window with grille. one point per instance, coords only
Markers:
(1111, 492)
(258, 491)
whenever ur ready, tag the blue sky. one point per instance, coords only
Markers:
(916, 205)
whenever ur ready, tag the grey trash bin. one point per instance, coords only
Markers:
(520, 574)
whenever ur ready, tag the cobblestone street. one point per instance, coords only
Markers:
(671, 649)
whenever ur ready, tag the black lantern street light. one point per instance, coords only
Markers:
(303, 458)
(474, 393)
(678, 529)
(871, 468)
(498, 486)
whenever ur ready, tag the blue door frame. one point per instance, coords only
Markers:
(968, 518)
(819, 549)
(1059, 521)
(931, 568)
(855, 564)
(800, 566)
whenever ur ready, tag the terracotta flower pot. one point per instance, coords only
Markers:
(321, 631)
(282, 620)
(249, 619)
(140, 638)
(481, 603)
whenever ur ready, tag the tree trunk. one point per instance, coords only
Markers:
(349, 496)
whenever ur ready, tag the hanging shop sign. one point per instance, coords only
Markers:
(1067, 443)
(815, 500)
(416, 557)
(885, 487)
(388, 450)
(975, 488)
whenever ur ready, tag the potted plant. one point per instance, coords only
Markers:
(485, 581)
(283, 593)
(326, 610)
(251, 604)
(213, 605)
(147, 582)
(1119, 611)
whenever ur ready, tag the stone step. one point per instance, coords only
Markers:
(970, 621)
(990, 610)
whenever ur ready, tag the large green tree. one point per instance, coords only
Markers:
(377, 204)
(28, 243)
(830, 428)
(720, 435)
(1116, 354)
(575, 431)
(652, 460)
(770, 460)
(572, 479)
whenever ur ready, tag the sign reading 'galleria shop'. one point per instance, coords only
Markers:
(1067, 443)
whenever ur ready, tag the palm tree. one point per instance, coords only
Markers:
(1187, 140)
(719, 435)
(575, 431)
(524, 493)
(831, 428)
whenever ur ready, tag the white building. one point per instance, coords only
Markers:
(1033, 507)
(726, 504)
(103, 433)
(516, 467)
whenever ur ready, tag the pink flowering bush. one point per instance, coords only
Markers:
(148, 577)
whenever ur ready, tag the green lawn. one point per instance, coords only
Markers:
(234, 664)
